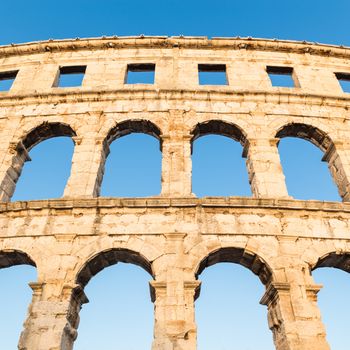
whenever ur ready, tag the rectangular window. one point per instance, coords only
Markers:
(140, 73)
(344, 81)
(7, 79)
(70, 76)
(212, 74)
(281, 76)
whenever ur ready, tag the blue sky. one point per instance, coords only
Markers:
(120, 313)
(321, 21)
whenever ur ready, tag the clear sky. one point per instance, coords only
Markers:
(120, 313)
(321, 21)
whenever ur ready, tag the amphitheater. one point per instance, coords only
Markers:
(175, 235)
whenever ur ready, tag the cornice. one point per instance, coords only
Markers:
(181, 202)
(280, 96)
(201, 42)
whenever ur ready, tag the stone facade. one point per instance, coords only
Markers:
(175, 236)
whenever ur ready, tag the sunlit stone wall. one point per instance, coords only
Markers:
(174, 236)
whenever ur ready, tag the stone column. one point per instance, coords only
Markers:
(174, 327)
(11, 169)
(87, 167)
(173, 296)
(53, 317)
(338, 158)
(294, 317)
(176, 166)
(264, 168)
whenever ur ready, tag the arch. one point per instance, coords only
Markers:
(219, 127)
(229, 168)
(339, 260)
(92, 267)
(332, 299)
(306, 132)
(110, 257)
(321, 140)
(46, 131)
(14, 293)
(124, 128)
(14, 257)
(133, 126)
(240, 256)
(21, 150)
(228, 302)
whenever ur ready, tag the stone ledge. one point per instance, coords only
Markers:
(201, 42)
(183, 202)
(278, 96)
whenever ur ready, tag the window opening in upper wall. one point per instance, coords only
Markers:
(212, 74)
(7, 79)
(140, 73)
(344, 81)
(70, 76)
(282, 76)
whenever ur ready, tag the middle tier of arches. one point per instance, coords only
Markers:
(176, 131)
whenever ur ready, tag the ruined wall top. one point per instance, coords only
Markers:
(190, 42)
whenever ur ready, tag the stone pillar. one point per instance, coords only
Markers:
(264, 168)
(11, 169)
(338, 158)
(176, 166)
(53, 317)
(173, 296)
(294, 317)
(87, 167)
(174, 327)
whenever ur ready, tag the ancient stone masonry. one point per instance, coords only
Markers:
(175, 235)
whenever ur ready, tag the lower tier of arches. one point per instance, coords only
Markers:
(293, 314)
(174, 241)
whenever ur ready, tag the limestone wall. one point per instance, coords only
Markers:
(174, 236)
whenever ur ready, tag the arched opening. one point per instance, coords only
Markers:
(133, 167)
(305, 166)
(333, 299)
(16, 271)
(120, 312)
(228, 308)
(49, 147)
(218, 168)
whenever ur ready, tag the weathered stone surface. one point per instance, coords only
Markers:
(174, 236)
